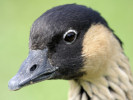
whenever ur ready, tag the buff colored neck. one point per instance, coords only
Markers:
(115, 82)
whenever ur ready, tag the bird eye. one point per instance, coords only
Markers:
(70, 36)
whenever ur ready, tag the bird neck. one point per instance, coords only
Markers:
(115, 84)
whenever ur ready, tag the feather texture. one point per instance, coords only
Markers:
(115, 82)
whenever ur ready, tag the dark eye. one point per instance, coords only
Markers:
(70, 36)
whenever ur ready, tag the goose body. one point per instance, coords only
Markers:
(75, 43)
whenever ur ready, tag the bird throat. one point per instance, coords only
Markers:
(117, 84)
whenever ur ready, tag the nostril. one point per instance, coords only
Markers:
(33, 68)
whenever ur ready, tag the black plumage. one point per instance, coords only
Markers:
(48, 30)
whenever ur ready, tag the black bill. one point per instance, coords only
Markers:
(34, 69)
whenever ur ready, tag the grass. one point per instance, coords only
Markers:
(15, 22)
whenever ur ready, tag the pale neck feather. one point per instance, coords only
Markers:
(115, 83)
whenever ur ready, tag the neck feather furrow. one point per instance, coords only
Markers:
(107, 71)
(117, 84)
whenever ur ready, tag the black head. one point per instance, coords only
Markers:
(55, 44)
(56, 21)
(48, 32)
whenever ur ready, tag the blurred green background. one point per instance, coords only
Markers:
(16, 18)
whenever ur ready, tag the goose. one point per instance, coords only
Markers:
(75, 43)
